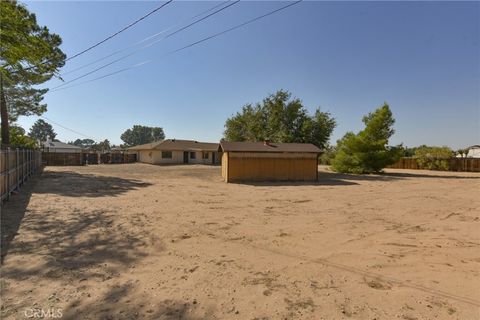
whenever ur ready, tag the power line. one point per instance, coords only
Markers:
(189, 45)
(145, 39)
(76, 132)
(121, 30)
(111, 36)
(237, 26)
(146, 46)
(104, 76)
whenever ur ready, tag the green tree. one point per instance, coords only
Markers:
(328, 155)
(433, 158)
(102, 146)
(280, 119)
(18, 139)
(368, 151)
(42, 131)
(83, 143)
(29, 56)
(141, 135)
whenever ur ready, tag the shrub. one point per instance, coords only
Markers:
(433, 158)
(367, 151)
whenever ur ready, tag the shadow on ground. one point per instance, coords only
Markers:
(12, 213)
(82, 238)
(72, 184)
(126, 302)
(329, 178)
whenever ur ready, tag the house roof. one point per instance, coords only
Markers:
(270, 147)
(177, 145)
(59, 145)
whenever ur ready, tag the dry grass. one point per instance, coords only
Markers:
(138, 241)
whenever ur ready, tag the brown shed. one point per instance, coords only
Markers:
(266, 161)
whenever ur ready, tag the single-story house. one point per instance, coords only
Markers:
(473, 151)
(175, 151)
(266, 161)
(59, 147)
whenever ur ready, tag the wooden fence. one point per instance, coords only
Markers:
(80, 159)
(16, 166)
(454, 164)
(115, 157)
(62, 159)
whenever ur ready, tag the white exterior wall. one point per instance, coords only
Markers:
(155, 157)
(177, 157)
(473, 153)
(198, 159)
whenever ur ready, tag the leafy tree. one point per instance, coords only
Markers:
(280, 119)
(141, 135)
(328, 155)
(29, 55)
(433, 158)
(18, 139)
(102, 146)
(42, 130)
(368, 151)
(83, 143)
(462, 152)
(408, 152)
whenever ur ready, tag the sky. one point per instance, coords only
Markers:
(347, 58)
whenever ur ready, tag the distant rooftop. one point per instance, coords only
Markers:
(58, 145)
(177, 145)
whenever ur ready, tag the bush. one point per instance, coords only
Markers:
(367, 151)
(433, 158)
(327, 157)
(18, 139)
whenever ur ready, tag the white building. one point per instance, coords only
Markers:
(174, 151)
(473, 151)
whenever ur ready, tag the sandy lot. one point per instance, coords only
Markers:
(148, 242)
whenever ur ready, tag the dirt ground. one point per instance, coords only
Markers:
(138, 241)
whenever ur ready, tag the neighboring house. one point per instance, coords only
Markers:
(266, 161)
(59, 147)
(473, 151)
(174, 151)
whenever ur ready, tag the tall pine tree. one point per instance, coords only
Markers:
(29, 55)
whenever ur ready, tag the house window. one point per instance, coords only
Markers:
(204, 155)
(166, 154)
(193, 155)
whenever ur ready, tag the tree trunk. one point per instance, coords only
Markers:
(4, 116)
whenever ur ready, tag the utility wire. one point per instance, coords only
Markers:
(236, 27)
(58, 124)
(121, 30)
(189, 45)
(104, 76)
(144, 40)
(146, 46)
(109, 37)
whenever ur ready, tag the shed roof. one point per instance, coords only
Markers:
(177, 145)
(226, 146)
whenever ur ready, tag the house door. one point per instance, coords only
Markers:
(185, 156)
(213, 157)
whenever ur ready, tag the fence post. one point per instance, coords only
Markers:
(23, 167)
(8, 173)
(17, 158)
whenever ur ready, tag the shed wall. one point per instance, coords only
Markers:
(279, 168)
